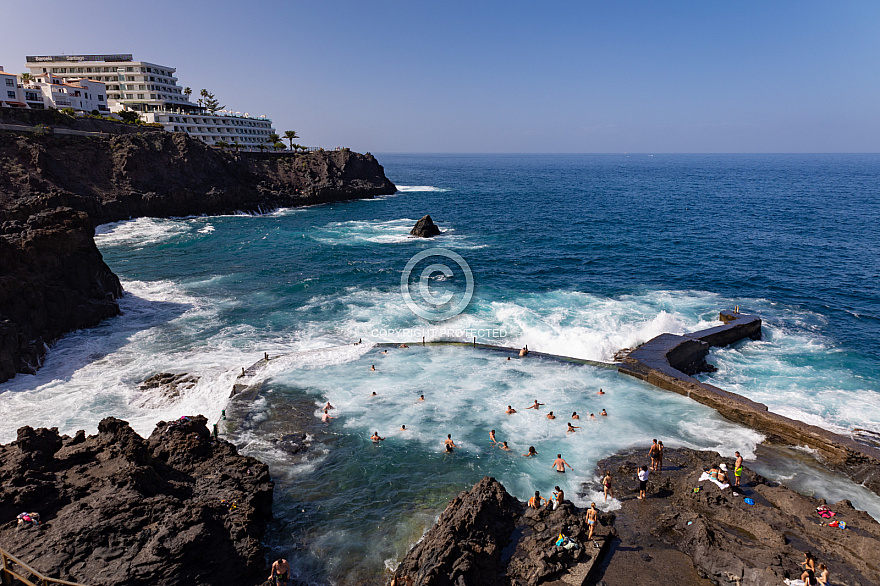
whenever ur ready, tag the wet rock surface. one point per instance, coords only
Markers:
(727, 540)
(487, 537)
(425, 228)
(169, 384)
(177, 508)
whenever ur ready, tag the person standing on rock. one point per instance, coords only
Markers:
(643, 482)
(592, 519)
(652, 452)
(660, 450)
(737, 469)
(280, 572)
(606, 484)
(560, 464)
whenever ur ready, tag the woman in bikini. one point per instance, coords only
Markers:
(606, 484)
(592, 519)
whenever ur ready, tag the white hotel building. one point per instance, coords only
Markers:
(151, 90)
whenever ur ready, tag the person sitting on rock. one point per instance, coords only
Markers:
(535, 501)
(722, 473)
(558, 497)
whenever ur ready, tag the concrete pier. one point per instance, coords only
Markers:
(669, 360)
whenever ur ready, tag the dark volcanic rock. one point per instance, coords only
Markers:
(177, 508)
(53, 280)
(487, 537)
(729, 541)
(425, 228)
(170, 384)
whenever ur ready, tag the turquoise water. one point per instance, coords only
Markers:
(573, 255)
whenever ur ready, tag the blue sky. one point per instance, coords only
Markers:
(417, 76)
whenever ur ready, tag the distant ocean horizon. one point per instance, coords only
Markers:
(572, 254)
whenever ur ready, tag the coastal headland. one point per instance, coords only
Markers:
(55, 188)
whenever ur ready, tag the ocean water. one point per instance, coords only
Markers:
(578, 255)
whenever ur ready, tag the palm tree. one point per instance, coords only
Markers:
(262, 147)
(187, 92)
(278, 146)
(273, 138)
(25, 78)
(221, 144)
(290, 135)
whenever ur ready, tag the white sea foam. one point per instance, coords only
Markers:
(140, 233)
(360, 232)
(415, 188)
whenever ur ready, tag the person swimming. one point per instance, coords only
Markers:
(329, 406)
(373, 367)
(571, 428)
(421, 397)
(492, 436)
(535, 405)
(551, 416)
(450, 445)
(325, 417)
(532, 452)
(503, 446)
(403, 428)
(575, 415)
(375, 437)
(601, 392)
(510, 410)
(604, 413)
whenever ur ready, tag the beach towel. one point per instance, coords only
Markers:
(705, 476)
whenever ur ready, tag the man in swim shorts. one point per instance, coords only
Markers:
(737, 469)
(280, 572)
(560, 464)
(375, 437)
(325, 417)
(535, 405)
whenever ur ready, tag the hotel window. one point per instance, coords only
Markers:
(140, 96)
(100, 98)
(11, 94)
(10, 82)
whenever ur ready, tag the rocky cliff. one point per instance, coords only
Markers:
(54, 189)
(177, 508)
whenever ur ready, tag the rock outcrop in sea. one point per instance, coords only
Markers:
(425, 228)
(178, 508)
(55, 188)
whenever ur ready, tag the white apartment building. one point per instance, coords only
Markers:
(48, 91)
(11, 93)
(134, 85)
(151, 90)
(221, 126)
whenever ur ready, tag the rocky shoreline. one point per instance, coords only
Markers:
(675, 536)
(179, 507)
(54, 189)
